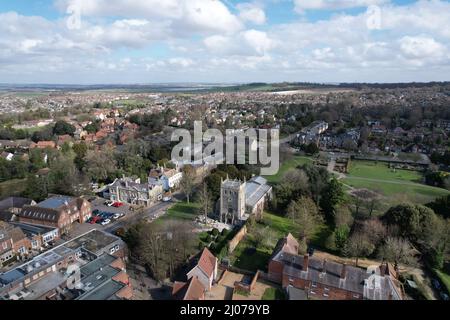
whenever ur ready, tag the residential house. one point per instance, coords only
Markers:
(131, 191)
(168, 178)
(193, 289)
(11, 206)
(43, 145)
(205, 269)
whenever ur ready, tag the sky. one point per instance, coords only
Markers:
(223, 41)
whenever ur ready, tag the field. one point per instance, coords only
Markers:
(286, 165)
(397, 185)
(181, 211)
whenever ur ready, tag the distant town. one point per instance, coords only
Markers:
(93, 207)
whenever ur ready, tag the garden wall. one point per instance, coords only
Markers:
(237, 238)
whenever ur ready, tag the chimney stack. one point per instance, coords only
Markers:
(344, 271)
(305, 262)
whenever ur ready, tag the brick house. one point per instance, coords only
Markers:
(327, 280)
(193, 289)
(58, 211)
(15, 243)
(205, 269)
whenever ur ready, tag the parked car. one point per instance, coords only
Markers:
(95, 219)
(108, 203)
(105, 222)
(117, 204)
(167, 199)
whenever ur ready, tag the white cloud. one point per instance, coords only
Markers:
(246, 43)
(185, 16)
(253, 13)
(210, 43)
(302, 5)
(421, 47)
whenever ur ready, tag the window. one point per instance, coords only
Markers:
(22, 250)
(34, 244)
(5, 245)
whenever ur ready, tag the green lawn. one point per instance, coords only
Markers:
(397, 185)
(273, 294)
(181, 211)
(372, 170)
(285, 166)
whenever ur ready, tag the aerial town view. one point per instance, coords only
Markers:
(249, 150)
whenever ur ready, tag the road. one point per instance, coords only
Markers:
(134, 217)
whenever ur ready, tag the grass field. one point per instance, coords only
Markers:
(397, 185)
(181, 211)
(285, 166)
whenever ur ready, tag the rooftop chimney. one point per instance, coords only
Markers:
(344, 271)
(305, 262)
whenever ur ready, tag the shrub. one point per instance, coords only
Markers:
(215, 232)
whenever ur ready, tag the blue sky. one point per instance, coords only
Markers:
(145, 41)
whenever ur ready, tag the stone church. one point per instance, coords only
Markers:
(239, 200)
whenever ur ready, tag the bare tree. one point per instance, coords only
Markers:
(375, 230)
(398, 250)
(305, 215)
(187, 182)
(204, 199)
(359, 245)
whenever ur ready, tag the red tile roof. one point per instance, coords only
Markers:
(191, 290)
(207, 262)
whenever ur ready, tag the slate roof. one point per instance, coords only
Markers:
(255, 189)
